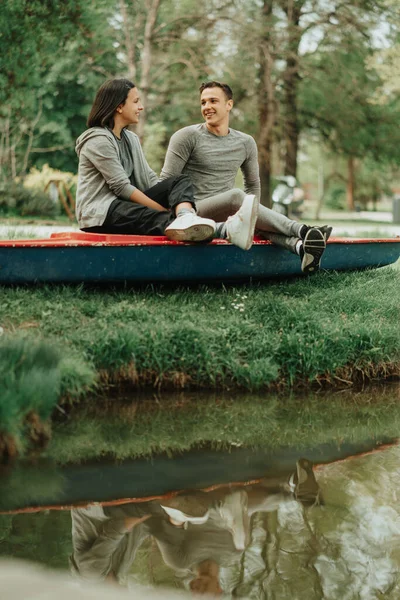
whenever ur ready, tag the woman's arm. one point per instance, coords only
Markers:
(140, 198)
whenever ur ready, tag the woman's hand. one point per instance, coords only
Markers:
(140, 198)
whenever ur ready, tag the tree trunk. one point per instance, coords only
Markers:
(266, 104)
(129, 42)
(290, 86)
(350, 184)
(152, 7)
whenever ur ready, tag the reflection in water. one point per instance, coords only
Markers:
(287, 530)
(197, 534)
(345, 546)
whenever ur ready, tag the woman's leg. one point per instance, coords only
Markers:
(129, 218)
(173, 191)
(176, 194)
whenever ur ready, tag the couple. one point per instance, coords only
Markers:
(119, 193)
(198, 533)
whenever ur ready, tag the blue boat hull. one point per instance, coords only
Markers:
(177, 262)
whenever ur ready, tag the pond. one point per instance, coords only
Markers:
(242, 497)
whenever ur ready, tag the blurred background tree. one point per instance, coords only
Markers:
(306, 74)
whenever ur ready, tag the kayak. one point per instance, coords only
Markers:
(111, 483)
(101, 258)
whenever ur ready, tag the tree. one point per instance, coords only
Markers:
(337, 103)
(63, 54)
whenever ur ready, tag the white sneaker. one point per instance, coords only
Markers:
(240, 226)
(188, 227)
(178, 518)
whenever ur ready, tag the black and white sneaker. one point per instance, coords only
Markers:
(314, 244)
(326, 230)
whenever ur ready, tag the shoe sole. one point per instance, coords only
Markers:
(326, 231)
(195, 233)
(253, 218)
(314, 245)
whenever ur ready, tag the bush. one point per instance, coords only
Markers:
(15, 199)
(336, 197)
(38, 180)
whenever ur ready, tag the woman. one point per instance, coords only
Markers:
(119, 193)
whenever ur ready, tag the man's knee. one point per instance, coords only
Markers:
(237, 198)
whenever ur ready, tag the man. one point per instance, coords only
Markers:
(212, 153)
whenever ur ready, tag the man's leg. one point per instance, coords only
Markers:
(221, 206)
(307, 242)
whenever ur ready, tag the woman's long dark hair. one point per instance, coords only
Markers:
(111, 94)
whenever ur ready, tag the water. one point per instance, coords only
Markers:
(309, 511)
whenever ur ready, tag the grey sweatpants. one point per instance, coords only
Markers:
(270, 224)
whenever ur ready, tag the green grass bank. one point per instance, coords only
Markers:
(59, 344)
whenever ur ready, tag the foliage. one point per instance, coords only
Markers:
(153, 145)
(29, 381)
(32, 377)
(373, 182)
(340, 106)
(324, 71)
(335, 197)
(16, 199)
(43, 537)
(39, 179)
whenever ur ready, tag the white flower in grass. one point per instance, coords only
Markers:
(1, 331)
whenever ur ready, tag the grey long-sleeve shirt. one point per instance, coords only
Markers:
(108, 169)
(212, 161)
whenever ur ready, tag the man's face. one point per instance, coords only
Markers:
(215, 107)
(206, 584)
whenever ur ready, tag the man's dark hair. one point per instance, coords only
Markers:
(224, 86)
(109, 96)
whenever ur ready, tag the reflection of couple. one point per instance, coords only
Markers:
(119, 193)
(197, 533)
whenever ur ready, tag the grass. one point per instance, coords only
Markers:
(60, 343)
(35, 220)
(14, 233)
(33, 376)
(285, 334)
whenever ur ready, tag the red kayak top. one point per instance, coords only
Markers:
(81, 238)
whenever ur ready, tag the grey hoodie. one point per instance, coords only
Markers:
(101, 176)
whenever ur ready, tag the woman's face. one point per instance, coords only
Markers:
(129, 111)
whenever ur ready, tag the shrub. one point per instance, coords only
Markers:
(336, 197)
(38, 180)
(15, 199)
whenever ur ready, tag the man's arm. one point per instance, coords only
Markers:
(179, 150)
(95, 563)
(250, 170)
